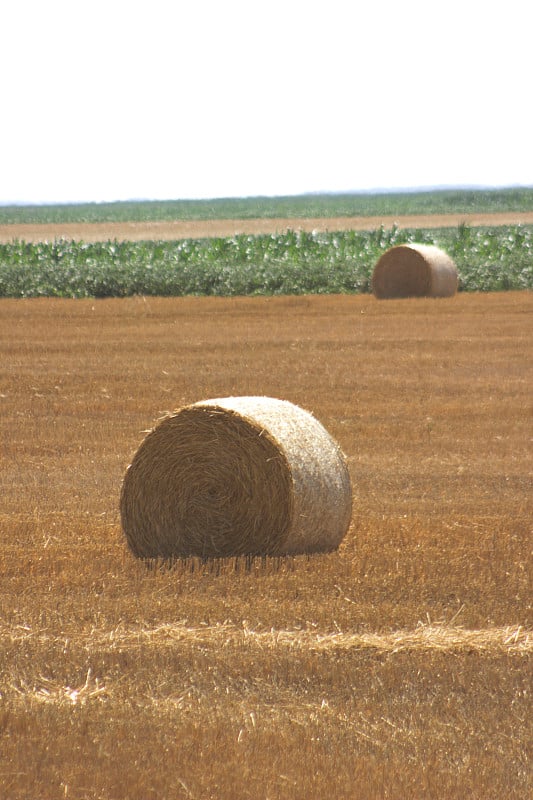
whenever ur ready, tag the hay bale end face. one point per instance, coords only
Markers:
(236, 476)
(414, 270)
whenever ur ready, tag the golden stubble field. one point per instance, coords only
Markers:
(182, 229)
(398, 667)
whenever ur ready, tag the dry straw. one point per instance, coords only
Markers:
(235, 476)
(414, 270)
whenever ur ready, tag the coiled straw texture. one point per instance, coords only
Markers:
(235, 476)
(414, 270)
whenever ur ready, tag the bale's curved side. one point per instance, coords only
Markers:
(414, 270)
(235, 476)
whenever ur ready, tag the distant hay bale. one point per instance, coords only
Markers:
(236, 476)
(414, 270)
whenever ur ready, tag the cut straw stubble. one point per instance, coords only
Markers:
(236, 476)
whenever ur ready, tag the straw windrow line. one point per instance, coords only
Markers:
(230, 641)
(508, 640)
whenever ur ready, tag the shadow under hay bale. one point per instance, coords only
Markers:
(414, 270)
(236, 476)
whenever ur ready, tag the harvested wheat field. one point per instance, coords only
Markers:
(397, 666)
(182, 229)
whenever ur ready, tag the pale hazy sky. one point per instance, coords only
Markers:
(112, 100)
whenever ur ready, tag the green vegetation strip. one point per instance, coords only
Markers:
(488, 259)
(443, 201)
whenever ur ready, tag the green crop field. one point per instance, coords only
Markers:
(312, 205)
(295, 262)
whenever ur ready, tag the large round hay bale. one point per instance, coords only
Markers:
(414, 270)
(235, 476)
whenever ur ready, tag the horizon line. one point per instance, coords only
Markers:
(316, 193)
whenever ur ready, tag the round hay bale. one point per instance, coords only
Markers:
(236, 476)
(414, 270)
